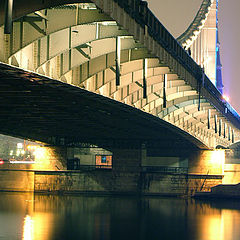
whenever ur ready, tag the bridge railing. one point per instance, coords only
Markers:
(84, 167)
(165, 169)
(140, 12)
(159, 169)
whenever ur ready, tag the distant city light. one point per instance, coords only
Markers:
(19, 145)
(21, 162)
(226, 98)
(18, 152)
(32, 147)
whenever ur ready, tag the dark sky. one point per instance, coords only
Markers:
(176, 15)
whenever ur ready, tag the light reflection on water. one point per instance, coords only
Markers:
(28, 228)
(41, 217)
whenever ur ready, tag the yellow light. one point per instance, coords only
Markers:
(19, 145)
(226, 98)
(213, 227)
(39, 153)
(43, 223)
(28, 228)
(216, 160)
(32, 147)
(217, 156)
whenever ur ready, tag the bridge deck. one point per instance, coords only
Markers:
(40, 107)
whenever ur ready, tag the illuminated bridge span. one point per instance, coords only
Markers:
(118, 49)
(201, 39)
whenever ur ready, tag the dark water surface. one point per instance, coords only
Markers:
(42, 217)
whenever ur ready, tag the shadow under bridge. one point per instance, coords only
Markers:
(39, 108)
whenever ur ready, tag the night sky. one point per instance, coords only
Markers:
(176, 16)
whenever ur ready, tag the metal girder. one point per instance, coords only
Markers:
(41, 15)
(140, 84)
(29, 19)
(79, 48)
(150, 84)
(34, 25)
(117, 60)
(127, 68)
(72, 112)
(192, 120)
(150, 103)
(56, 22)
(220, 127)
(144, 78)
(84, 54)
(32, 21)
(113, 69)
(197, 23)
(164, 90)
(203, 117)
(175, 111)
(8, 16)
(96, 44)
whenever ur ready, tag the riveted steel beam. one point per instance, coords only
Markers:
(144, 78)
(8, 16)
(118, 60)
(164, 90)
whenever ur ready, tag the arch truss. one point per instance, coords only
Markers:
(81, 45)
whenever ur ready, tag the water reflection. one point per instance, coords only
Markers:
(28, 228)
(219, 223)
(41, 217)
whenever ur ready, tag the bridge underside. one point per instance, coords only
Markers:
(101, 49)
(53, 112)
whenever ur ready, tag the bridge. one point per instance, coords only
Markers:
(107, 72)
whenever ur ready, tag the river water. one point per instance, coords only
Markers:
(42, 217)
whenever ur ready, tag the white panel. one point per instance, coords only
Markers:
(133, 88)
(27, 57)
(77, 58)
(109, 75)
(69, 77)
(131, 66)
(151, 97)
(83, 34)
(137, 75)
(30, 34)
(65, 62)
(153, 62)
(59, 42)
(103, 46)
(161, 70)
(149, 72)
(108, 31)
(158, 86)
(126, 79)
(16, 34)
(60, 19)
(127, 43)
(2, 44)
(43, 52)
(97, 65)
(154, 80)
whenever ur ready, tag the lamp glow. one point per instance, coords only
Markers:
(226, 98)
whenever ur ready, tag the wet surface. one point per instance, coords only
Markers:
(43, 217)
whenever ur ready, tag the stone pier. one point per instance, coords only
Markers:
(127, 176)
